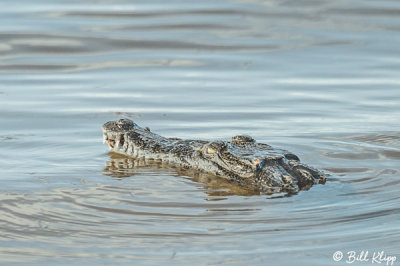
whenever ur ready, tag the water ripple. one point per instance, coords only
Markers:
(319, 78)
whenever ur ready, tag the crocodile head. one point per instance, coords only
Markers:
(241, 159)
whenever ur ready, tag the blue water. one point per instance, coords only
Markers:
(318, 78)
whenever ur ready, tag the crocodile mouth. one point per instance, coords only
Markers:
(111, 143)
(114, 141)
(109, 140)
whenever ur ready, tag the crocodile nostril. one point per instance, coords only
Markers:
(125, 124)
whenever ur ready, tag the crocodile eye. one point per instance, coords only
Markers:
(291, 156)
(210, 150)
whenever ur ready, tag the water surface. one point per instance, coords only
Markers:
(319, 78)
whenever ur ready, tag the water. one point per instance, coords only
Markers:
(319, 78)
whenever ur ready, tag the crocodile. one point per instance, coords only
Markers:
(241, 160)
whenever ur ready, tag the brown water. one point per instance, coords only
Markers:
(319, 78)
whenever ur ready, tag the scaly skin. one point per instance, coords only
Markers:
(241, 160)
